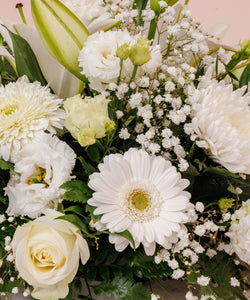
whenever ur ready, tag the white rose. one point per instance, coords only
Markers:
(47, 254)
(87, 118)
(239, 233)
(41, 167)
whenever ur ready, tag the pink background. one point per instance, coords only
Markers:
(207, 12)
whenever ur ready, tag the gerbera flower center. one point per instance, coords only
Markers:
(140, 199)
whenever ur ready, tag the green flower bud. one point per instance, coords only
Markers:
(110, 126)
(245, 47)
(140, 53)
(123, 51)
(225, 203)
(155, 6)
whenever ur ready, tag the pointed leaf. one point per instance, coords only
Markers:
(76, 191)
(61, 31)
(245, 76)
(6, 165)
(26, 62)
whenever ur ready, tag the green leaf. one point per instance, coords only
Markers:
(140, 5)
(76, 191)
(104, 272)
(138, 292)
(26, 62)
(61, 31)
(126, 234)
(221, 172)
(245, 77)
(89, 169)
(78, 285)
(93, 153)
(76, 209)
(91, 273)
(6, 165)
(75, 220)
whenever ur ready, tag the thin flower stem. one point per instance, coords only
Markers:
(186, 2)
(119, 78)
(134, 73)
(19, 6)
(89, 290)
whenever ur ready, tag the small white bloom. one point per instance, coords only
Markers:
(119, 114)
(211, 253)
(124, 134)
(2, 218)
(199, 206)
(177, 274)
(14, 290)
(203, 280)
(234, 282)
(10, 257)
(190, 296)
(200, 230)
(173, 264)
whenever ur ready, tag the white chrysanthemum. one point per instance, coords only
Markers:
(43, 166)
(100, 63)
(222, 123)
(239, 232)
(141, 193)
(26, 108)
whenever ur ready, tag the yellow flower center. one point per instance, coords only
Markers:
(39, 178)
(8, 110)
(140, 199)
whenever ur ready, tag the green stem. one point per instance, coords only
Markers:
(119, 78)
(134, 73)
(90, 295)
(186, 2)
(19, 6)
(152, 29)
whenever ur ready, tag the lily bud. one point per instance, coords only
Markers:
(62, 33)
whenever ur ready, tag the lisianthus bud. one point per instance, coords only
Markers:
(87, 118)
(110, 126)
(225, 203)
(123, 51)
(140, 53)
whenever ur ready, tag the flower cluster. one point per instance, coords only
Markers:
(124, 153)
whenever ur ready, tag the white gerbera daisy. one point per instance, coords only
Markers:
(41, 167)
(222, 123)
(26, 108)
(141, 193)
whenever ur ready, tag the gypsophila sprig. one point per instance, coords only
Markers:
(136, 166)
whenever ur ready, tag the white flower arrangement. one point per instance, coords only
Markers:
(124, 153)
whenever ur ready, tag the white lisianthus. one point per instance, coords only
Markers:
(141, 193)
(41, 167)
(239, 232)
(221, 119)
(101, 65)
(26, 108)
(87, 118)
(47, 252)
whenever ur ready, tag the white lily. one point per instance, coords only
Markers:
(62, 82)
